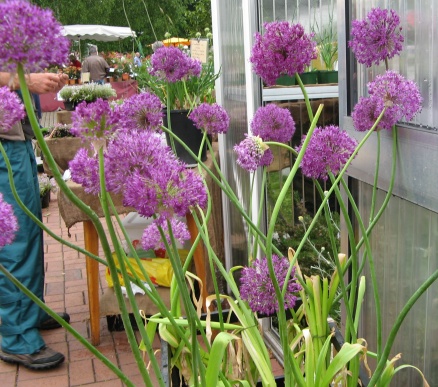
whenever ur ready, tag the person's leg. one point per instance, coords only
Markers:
(23, 258)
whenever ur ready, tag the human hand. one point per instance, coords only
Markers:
(41, 83)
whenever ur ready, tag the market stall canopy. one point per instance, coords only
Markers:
(176, 42)
(97, 32)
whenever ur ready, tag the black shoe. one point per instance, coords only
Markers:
(44, 359)
(51, 323)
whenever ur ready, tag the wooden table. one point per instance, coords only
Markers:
(72, 215)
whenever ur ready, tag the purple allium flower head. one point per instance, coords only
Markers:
(138, 150)
(365, 114)
(85, 171)
(273, 123)
(187, 191)
(172, 65)
(94, 120)
(31, 36)
(267, 158)
(258, 290)
(141, 111)
(401, 97)
(194, 68)
(328, 150)
(283, 49)
(377, 38)
(151, 238)
(11, 109)
(8, 223)
(150, 176)
(250, 153)
(211, 118)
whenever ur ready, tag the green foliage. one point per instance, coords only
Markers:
(291, 226)
(182, 94)
(88, 92)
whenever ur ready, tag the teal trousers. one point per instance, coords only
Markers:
(24, 259)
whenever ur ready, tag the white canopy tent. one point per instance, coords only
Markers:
(97, 32)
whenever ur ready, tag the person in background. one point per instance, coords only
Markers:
(74, 62)
(21, 318)
(137, 60)
(96, 66)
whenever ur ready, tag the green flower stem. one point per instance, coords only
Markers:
(57, 175)
(348, 299)
(192, 317)
(260, 212)
(210, 253)
(68, 327)
(222, 183)
(35, 219)
(282, 319)
(376, 178)
(364, 238)
(192, 103)
(169, 123)
(291, 367)
(329, 192)
(396, 327)
(283, 145)
(117, 286)
(54, 168)
(306, 97)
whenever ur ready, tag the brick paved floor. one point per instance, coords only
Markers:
(66, 289)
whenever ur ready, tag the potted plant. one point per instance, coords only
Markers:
(46, 185)
(179, 93)
(135, 164)
(72, 95)
(327, 46)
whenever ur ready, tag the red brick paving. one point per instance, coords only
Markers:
(66, 289)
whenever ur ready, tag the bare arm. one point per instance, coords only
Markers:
(38, 83)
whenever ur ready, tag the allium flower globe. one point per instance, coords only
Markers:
(141, 111)
(252, 153)
(273, 123)
(11, 109)
(283, 49)
(172, 65)
(258, 290)
(328, 150)
(212, 118)
(8, 223)
(31, 36)
(151, 238)
(365, 114)
(400, 96)
(84, 170)
(377, 38)
(94, 120)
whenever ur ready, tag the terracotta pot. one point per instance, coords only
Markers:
(72, 81)
(125, 76)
